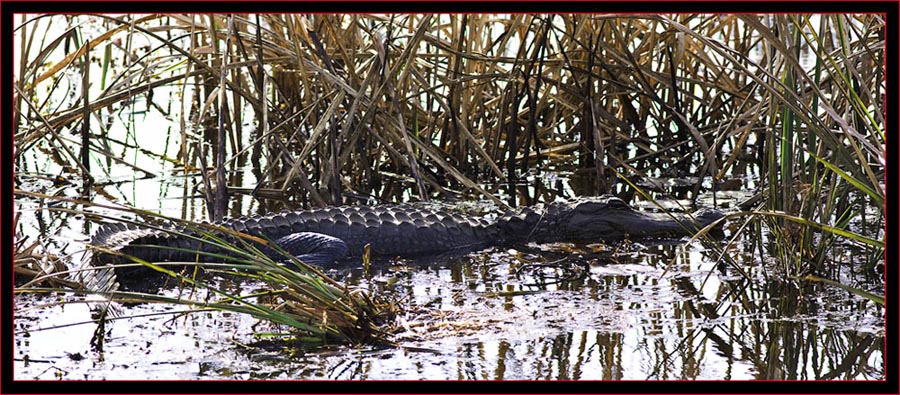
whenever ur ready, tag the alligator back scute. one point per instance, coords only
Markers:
(281, 223)
(238, 225)
(390, 230)
(116, 236)
(252, 227)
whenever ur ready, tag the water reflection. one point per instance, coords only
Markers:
(625, 321)
(482, 319)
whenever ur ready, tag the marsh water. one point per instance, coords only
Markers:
(658, 309)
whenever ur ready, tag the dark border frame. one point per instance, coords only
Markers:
(888, 8)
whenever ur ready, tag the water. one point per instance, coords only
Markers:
(658, 311)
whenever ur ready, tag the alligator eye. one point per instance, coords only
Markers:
(618, 204)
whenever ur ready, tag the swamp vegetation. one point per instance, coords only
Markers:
(777, 120)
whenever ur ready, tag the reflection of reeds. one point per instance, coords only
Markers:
(464, 103)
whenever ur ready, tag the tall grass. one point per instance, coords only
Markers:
(398, 107)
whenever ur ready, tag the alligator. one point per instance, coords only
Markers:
(326, 236)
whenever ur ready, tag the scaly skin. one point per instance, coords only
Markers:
(323, 236)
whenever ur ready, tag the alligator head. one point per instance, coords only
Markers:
(610, 218)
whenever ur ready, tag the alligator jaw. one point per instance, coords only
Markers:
(662, 225)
